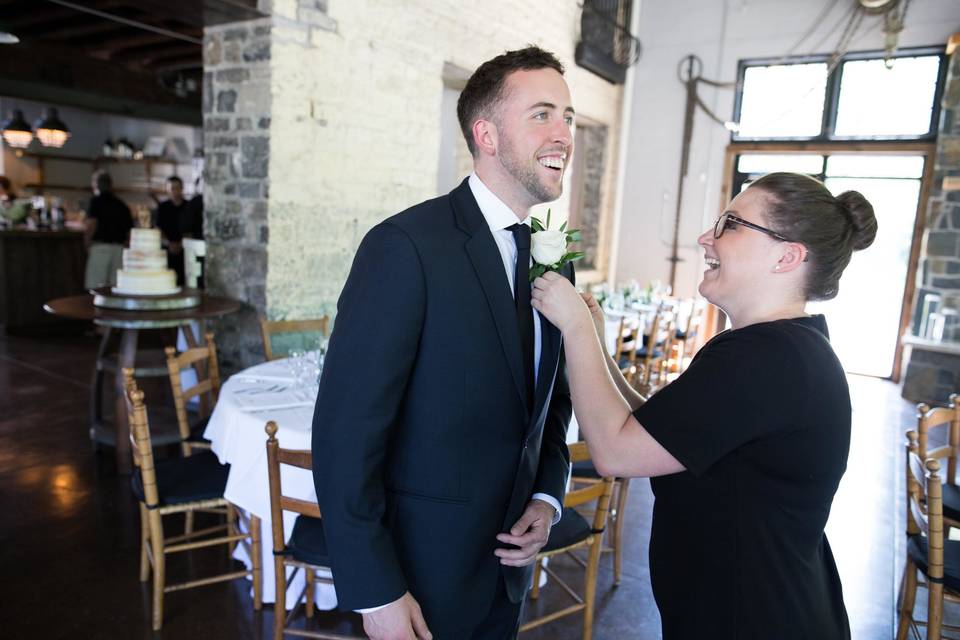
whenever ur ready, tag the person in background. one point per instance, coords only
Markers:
(170, 214)
(106, 232)
(11, 210)
(191, 224)
(747, 447)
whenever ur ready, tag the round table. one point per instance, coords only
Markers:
(238, 438)
(128, 324)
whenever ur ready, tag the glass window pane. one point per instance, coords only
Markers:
(881, 102)
(783, 101)
(756, 163)
(857, 166)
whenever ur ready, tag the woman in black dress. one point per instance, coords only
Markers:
(746, 448)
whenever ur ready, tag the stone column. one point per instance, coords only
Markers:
(236, 138)
(933, 373)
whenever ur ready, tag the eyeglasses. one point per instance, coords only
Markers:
(727, 219)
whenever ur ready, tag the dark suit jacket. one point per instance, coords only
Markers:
(424, 448)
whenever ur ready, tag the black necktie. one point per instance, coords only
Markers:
(521, 284)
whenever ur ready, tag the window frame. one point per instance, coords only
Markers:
(831, 98)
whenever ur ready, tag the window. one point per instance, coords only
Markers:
(861, 99)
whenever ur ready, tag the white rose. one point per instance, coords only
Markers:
(547, 247)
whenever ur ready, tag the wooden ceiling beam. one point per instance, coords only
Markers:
(146, 54)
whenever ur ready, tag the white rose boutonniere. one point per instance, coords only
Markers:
(551, 249)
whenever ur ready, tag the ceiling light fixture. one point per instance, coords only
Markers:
(51, 130)
(16, 131)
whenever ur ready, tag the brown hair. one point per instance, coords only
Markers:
(485, 88)
(831, 228)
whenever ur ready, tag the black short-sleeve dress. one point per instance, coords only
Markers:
(761, 421)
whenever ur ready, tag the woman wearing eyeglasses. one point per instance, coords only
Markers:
(746, 448)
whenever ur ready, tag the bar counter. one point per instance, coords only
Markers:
(36, 266)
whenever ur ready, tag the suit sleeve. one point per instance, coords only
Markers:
(371, 353)
(554, 455)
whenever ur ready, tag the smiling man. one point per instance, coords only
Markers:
(439, 432)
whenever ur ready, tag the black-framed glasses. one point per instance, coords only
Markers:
(727, 219)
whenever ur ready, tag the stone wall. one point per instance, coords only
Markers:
(236, 114)
(932, 375)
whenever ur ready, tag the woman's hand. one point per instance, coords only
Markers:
(596, 313)
(554, 297)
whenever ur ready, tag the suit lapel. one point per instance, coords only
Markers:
(485, 256)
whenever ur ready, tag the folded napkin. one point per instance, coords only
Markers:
(283, 398)
(272, 371)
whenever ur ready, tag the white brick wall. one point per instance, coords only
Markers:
(355, 130)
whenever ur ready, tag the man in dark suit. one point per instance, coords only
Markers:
(439, 432)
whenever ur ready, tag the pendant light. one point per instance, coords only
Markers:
(51, 131)
(16, 131)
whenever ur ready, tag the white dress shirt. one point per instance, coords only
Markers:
(499, 218)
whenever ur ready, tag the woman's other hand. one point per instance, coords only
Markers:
(596, 313)
(556, 298)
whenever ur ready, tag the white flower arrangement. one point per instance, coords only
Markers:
(551, 249)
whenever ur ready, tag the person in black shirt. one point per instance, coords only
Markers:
(747, 447)
(106, 231)
(169, 219)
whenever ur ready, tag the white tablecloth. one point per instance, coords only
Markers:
(239, 439)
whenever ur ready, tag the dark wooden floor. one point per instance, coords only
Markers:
(69, 529)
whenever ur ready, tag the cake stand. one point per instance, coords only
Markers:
(107, 298)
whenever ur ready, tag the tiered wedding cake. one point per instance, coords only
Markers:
(145, 269)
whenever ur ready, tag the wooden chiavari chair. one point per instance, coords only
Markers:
(686, 336)
(203, 360)
(942, 425)
(573, 533)
(270, 328)
(307, 548)
(182, 485)
(928, 553)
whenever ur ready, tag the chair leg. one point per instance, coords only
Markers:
(159, 568)
(590, 592)
(535, 588)
(256, 550)
(144, 541)
(934, 610)
(311, 598)
(188, 523)
(908, 597)
(280, 600)
(624, 486)
(233, 529)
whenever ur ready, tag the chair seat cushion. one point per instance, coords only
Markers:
(182, 480)
(680, 334)
(584, 469)
(951, 501)
(657, 353)
(308, 543)
(571, 529)
(917, 550)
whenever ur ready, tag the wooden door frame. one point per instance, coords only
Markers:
(927, 150)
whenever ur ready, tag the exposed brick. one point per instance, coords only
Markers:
(256, 151)
(226, 101)
(234, 74)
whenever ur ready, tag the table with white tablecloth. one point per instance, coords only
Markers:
(238, 438)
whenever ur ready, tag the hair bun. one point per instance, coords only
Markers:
(861, 216)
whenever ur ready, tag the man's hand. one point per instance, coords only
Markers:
(529, 533)
(399, 620)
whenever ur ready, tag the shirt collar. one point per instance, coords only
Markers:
(497, 214)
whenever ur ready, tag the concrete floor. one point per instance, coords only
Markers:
(69, 533)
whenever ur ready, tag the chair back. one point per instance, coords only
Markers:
(269, 328)
(925, 505)
(628, 339)
(933, 422)
(279, 503)
(599, 491)
(140, 442)
(203, 360)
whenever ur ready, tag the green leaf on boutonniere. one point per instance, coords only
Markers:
(573, 235)
(548, 218)
(536, 271)
(563, 227)
(536, 225)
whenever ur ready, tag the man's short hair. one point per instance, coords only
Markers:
(485, 89)
(103, 181)
(175, 179)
